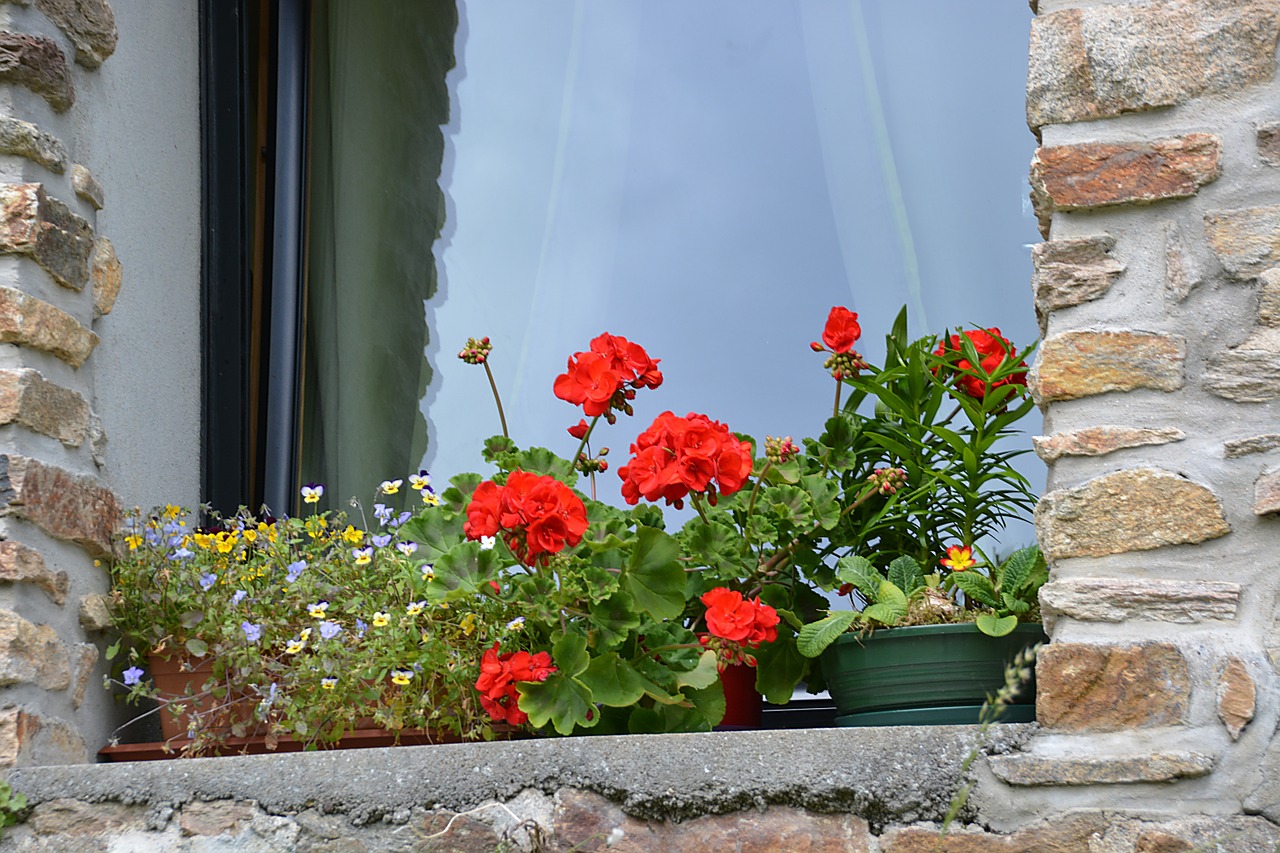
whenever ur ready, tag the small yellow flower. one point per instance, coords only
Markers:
(204, 540)
(428, 573)
(250, 534)
(401, 676)
(171, 511)
(295, 646)
(317, 610)
(429, 498)
(381, 618)
(225, 541)
(305, 634)
(315, 526)
(418, 482)
(364, 556)
(468, 624)
(328, 683)
(426, 637)
(390, 487)
(414, 608)
(353, 535)
(959, 558)
(311, 493)
(134, 541)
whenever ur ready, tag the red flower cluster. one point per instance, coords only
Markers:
(676, 456)
(993, 348)
(842, 330)
(739, 623)
(536, 514)
(606, 377)
(498, 674)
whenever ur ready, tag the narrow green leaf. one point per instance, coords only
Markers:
(814, 638)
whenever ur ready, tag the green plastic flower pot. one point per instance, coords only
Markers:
(925, 675)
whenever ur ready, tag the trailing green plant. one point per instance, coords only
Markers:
(13, 806)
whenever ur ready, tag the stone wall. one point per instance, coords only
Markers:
(1157, 186)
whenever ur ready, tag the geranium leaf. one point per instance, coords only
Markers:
(434, 533)
(570, 654)
(614, 618)
(825, 495)
(654, 577)
(780, 668)
(672, 718)
(561, 700)
(714, 544)
(703, 675)
(464, 568)
(709, 703)
(791, 504)
(613, 682)
(814, 638)
(993, 626)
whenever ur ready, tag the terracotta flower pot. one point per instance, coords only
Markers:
(744, 706)
(172, 676)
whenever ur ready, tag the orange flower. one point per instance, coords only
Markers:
(959, 558)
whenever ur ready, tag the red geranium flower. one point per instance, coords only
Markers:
(993, 349)
(536, 515)
(842, 330)
(606, 376)
(676, 456)
(740, 620)
(579, 429)
(498, 674)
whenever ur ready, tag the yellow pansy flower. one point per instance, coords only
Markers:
(381, 618)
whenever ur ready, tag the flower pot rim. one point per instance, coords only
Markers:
(940, 628)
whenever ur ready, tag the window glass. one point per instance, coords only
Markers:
(706, 179)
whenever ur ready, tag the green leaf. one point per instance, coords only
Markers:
(197, 647)
(674, 718)
(825, 495)
(463, 569)
(906, 574)
(1017, 570)
(703, 675)
(790, 504)
(814, 638)
(890, 607)
(861, 573)
(780, 667)
(191, 618)
(654, 577)
(709, 703)
(570, 654)
(994, 626)
(976, 587)
(113, 650)
(615, 619)
(714, 544)
(434, 532)
(612, 681)
(561, 700)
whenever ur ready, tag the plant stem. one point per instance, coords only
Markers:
(835, 412)
(497, 399)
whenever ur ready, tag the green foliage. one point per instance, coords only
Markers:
(13, 806)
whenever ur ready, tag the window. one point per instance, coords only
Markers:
(707, 179)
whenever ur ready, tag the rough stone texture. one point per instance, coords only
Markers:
(1111, 59)
(89, 24)
(95, 612)
(106, 277)
(216, 818)
(1249, 373)
(1252, 444)
(1269, 298)
(1181, 274)
(1132, 510)
(27, 321)
(27, 399)
(33, 223)
(1118, 599)
(1037, 770)
(1068, 272)
(1266, 494)
(65, 505)
(71, 819)
(32, 654)
(1237, 697)
(20, 564)
(38, 64)
(1269, 143)
(1080, 364)
(1101, 440)
(588, 822)
(26, 140)
(86, 658)
(1068, 834)
(83, 182)
(1090, 175)
(1089, 688)
(1246, 241)
(31, 740)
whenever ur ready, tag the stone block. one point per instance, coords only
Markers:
(85, 659)
(64, 505)
(1080, 364)
(106, 277)
(215, 818)
(89, 24)
(1131, 510)
(27, 321)
(1118, 599)
(29, 400)
(1069, 833)
(1237, 697)
(1069, 272)
(26, 140)
(1245, 241)
(83, 182)
(1093, 688)
(66, 819)
(1266, 494)
(1248, 373)
(1269, 298)
(1040, 771)
(28, 739)
(1091, 175)
(1181, 274)
(32, 654)
(1101, 440)
(20, 564)
(33, 223)
(1269, 143)
(38, 64)
(95, 612)
(1111, 59)
(1253, 444)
